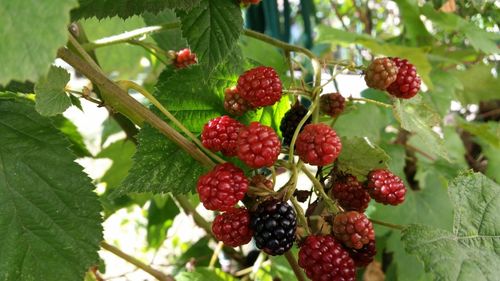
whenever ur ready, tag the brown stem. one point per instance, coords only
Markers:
(295, 266)
(127, 126)
(389, 225)
(121, 100)
(153, 272)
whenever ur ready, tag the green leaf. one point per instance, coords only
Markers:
(417, 56)
(263, 54)
(359, 156)
(168, 39)
(477, 37)
(50, 224)
(429, 205)
(120, 152)
(31, 35)
(123, 61)
(199, 251)
(203, 274)
(212, 30)
(194, 104)
(469, 80)
(414, 27)
(365, 120)
(471, 249)
(71, 132)
(127, 8)
(160, 166)
(417, 117)
(161, 213)
(489, 132)
(51, 98)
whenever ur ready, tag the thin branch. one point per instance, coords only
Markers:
(132, 85)
(300, 215)
(121, 101)
(371, 101)
(125, 37)
(215, 255)
(153, 272)
(319, 187)
(389, 225)
(295, 266)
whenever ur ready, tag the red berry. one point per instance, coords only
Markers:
(350, 194)
(318, 144)
(407, 83)
(221, 134)
(324, 259)
(385, 187)
(354, 229)
(381, 73)
(234, 103)
(233, 227)
(258, 146)
(332, 104)
(184, 58)
(221, 188)
(364, 256)
(260, 86)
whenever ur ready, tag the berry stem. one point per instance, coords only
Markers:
(126, 36)
(371, 101)
(300, 215)
(257, 264)
(126, 85)
(119, 100)
(389, 225)
(215, 255)
(319, 187)
(297, 131)
(347, 64)
(273, 173)
(296, 93)
(153, 272)
(295, 266)
(150, 48)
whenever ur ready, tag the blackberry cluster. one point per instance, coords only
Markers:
(350, 194)
(332, 104)
(258, 146)
(385, 187)
(324, 258)
(234, 104)
(260, 86)
(233, 227)
(221, 134)
(354, 229)
(184, 58)
(407, 83)
(318, 145)
(381, 73)
(221, 188)
(291, 120)
(274, 224)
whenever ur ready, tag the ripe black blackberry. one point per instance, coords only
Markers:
(291, 120)
(274, 224)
